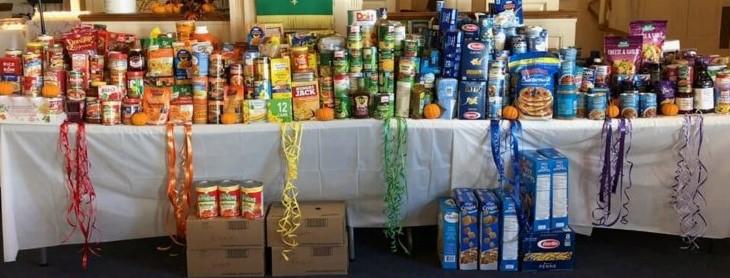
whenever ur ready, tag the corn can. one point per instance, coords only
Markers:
(206, 199)
(229, 194)
(386, 61)
(252, 199)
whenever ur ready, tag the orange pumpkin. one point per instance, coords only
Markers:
(432, 111)
(50, 91)
(325, 114)
(612, 111)
(229, 118)
(7, 88)
(670, 109)
(140, 118)
(208, 8)
(510, 113)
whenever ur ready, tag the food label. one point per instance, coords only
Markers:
(229, 201)
(472, 100)
(281, 109)
(704, 98)
(254, 110)
(208, 202)
(685, 103)
(305, 99)
(252, 202)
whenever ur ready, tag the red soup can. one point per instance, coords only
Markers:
(207, 199)
(229, 194)
(252, 199)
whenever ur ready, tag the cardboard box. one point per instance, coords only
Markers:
(226, 262)
(488, 229)
(509, 245)
(548, 251)
(559, 166)
(224, 233)
(322, 224)
(20, 109)
(468, 228)
(536, 190)
(448, 238)
(310, 260)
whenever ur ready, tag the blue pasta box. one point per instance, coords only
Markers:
(509, 234)
(488, 229)
(451, 45)
(559, 187)
(475, 62)
(446, 89)
(535, 190)
(471, 32)
(447, 19)
(468, 228)
(472, 100)
(448, 229)
(548, 251)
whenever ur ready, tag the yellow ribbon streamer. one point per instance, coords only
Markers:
(291, 145)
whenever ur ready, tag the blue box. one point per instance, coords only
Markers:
(488, 229)
(535, 190)
(548, 251)
(448, 239)
(468, 228)
(446, 90)
(472, 100)
(559, 166)
(474, 61)
(509, 229)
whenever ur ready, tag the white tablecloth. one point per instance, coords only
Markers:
(341, 160)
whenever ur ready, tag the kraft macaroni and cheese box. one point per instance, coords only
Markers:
(559, 186)
(488, 229)
(548, 251)
(448, 239)
(468, 228)
(536, 190)
(509, 231)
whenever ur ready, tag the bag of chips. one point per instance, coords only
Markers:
(623, 54)
(654, 32)
(534, 73)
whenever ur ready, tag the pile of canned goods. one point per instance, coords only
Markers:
(229, 198)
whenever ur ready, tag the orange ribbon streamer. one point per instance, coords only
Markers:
(180, 197)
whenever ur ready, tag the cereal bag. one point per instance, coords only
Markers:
(623, 54)
(156, 104)
(654, 32)
(534, 75)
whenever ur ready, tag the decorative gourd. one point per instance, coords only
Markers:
(140, 118)
(325, 114)
(229, 118)
(6, 88)
(670, 109)
(50, 91)
(432, 111)
(612, 111)
(510, 113)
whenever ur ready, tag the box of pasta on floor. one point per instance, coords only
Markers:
(322, 241)
(548, 251)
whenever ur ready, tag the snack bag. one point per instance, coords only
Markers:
(156, 103)
(623, 54)
(654, 32)
(534, 75)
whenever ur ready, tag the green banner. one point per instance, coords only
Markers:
(294, 7)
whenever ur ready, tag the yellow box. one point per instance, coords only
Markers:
(281, 78)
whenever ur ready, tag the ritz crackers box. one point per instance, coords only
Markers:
(448, 229)
(488, 229)
(548, 251)
(509, 245)
(559, 178)
(536, 190)
(468, 228)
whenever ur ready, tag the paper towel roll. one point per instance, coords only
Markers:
(120, 6)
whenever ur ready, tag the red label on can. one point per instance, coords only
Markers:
(207, 202)
(252, 202)
(228, 200)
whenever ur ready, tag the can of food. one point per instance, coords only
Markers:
(215, 111)
(118, 78)
(216, 88)
(217, 66)
(685, 76)
(647, 105)
(111, 112)
(601, 76)
(519, 44)
(206, 199)
(370, 59)
(369, 37)
(340, 63)
(57, 78)
(399, 37)
(252, 199)
(342, 85)
(200, 111)
(262, 68)
(356, 82)
(407, 69)
(32, 65)
(370, 80)
(129, 107)
(96, 68)
(410, 48)
(200, 87)
(92, 114)
(354, 37)
(235, 75)
(135, 84)
(249, 64)
(32, 86)
(229, 198)
(386, 61)
(629, 105)
(117, 60)
(566, 103)
(55, 58)
(34, 47)
(588, 80)
(386, 36)
(386, 82)
(596, 104)
(356, 60)
(383, 106)
(671, 72)
(722, 93)
(343, 107)
(403, 98)
(580, 106)
(300, 61)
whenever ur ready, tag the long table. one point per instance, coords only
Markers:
(340, 160)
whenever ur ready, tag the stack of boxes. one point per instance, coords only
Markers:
(219, 247)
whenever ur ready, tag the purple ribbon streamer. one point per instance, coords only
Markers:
(614, 160)
(688, 199)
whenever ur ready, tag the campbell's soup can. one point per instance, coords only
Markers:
(252, 199)
(129, 107)
(629, 105)
(206, 199)
(229, 194)
(647, 105)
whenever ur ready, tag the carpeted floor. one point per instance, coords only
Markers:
(605, 254)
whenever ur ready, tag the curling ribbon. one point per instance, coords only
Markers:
(291, 145)
(180, 197)
(395, 153)
(81, 212)
(513, 138)
(614, 158)
(690, 176)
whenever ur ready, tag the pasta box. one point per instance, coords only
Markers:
(559, 178)
(474, 61)
(472, 100)
(548, 251)
(22, 109)
(536, 190)
(468, 228)
(509, 231)
(448, 229)
(488, 229)
(446, 94)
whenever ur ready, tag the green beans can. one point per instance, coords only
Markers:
(386, 82)
(410, 48)
(370, 59)
(356, 60)
(370, 80)
(383, 106)
(343, 107)
(386, 61)
(369, 37)
(340, 62)
(354, 37)
(386, 36)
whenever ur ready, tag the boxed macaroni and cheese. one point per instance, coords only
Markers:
(536, 190)
(559, 187)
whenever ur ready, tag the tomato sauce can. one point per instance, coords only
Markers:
(229, 195)
(129, 107)
(252, 199)
(92, 113)
(206, 199)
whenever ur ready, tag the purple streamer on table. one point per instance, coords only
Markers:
(688, 199)
(615, 152)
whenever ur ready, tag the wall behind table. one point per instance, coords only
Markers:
(141, 29)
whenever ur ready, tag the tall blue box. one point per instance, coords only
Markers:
(488, 229)
(548, 251)
(559, 166)
(536, 190)
(448, 239)
(509, 229)
(468, 228)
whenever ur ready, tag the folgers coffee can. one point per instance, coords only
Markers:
(229, 196)
(206, 199)
(252, 199)
(647, 105)
(129, 107)
(472, 100)
(596, 104)
(629, 105)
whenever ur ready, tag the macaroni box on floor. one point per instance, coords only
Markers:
(536, 190)
(448, 229)
(509, 245)
(548, 251)
(488, 229)
(322, 223)
(559, 183)
(235, 262)
(223, 233)
(468, 228)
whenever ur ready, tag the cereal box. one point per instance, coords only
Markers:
(306, 100)
(488, 229)
(559, 178)
(448, 238)
(509, 231)
(468, 228)
(536, 190)
(548, 251)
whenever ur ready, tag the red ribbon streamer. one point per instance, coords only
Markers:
(180, 198)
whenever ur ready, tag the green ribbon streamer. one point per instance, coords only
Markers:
(395, 152)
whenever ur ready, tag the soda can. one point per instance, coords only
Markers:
(648, 105)
(370, 59)
(629, 105)
(596, 104)
(472, 100)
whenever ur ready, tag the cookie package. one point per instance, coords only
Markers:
(535, 84)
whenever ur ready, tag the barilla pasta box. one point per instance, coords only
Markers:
(548, 251)
(448, 229)
(472, 100)
(559, 187)
(488, 229)
(468, 228)
(446, 89)
(474, 62)
(509, 234)
(535, 190)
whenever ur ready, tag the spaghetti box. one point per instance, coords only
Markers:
(322, 224)
(474, 62)
(446, 89)
(509, 232)
(536, 190)
(448, 238)
(468, 228)
(488, 229)
(471, 32)
(548, 251)
(472, 100)
(559, 166)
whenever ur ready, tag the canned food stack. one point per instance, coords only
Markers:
(408, 66)
(199, 71)
(342, 84)
(305, 88)
(566, 104)
(217, 87)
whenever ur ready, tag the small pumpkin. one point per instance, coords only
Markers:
(510, 113)
(325, 114)
(612, 111)
(140, 118)
(7, 88)
(208, 8)
(432, 111)
(229, 118)
(670, 109)
(50, 91)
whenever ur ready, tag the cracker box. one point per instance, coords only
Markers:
(559, 178)
(488, 229)
(548, 251)
(468, 228)
(305, 99)
(536, 190)
(448, 238)
(509, 230)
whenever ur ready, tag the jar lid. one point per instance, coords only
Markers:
(201, 29)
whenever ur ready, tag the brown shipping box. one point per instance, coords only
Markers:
(226, 262)
(322, 224)
(310, 260)
(224, 233)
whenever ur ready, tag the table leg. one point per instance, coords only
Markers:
(409, 238)
(351, 241)
(44, 256)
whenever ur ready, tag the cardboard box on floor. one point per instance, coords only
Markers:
(310, 260)
(226, 262)
(225, 247)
